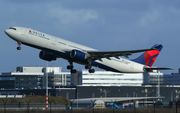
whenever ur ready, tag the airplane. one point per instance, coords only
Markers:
(52, 48)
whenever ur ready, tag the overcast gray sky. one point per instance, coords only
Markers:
(100, 24)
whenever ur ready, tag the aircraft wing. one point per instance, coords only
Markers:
(97, 55)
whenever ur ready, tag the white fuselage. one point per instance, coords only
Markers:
(59, 47)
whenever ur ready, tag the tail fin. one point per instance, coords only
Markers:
(149, 57)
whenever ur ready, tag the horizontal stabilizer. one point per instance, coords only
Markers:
(151, 69)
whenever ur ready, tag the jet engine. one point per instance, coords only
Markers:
(77, 54)
(47, 56)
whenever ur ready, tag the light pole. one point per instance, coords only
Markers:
(146, 96)
(158, 84)
(67, 95)
(172, 96)
(105, 95)
(93, 95)
(46, 73)
(77, 99)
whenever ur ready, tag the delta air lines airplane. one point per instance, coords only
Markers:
(52, 48)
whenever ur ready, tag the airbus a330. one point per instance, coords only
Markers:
(52, 48)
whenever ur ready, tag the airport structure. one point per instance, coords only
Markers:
(34, 78)
(101, 84)
(104, 78)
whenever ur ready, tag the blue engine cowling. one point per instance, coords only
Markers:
(78, 54)
(47, 56)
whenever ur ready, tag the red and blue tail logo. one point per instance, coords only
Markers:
(149, 57)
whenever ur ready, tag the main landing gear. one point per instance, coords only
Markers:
(19, 48)
(70, 67)
(89, 67)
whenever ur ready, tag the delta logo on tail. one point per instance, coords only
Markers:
(149, 57)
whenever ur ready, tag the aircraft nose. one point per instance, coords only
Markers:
(9, 32)
(6, 31)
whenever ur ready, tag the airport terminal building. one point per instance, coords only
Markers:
(35, 78)
(31, 81)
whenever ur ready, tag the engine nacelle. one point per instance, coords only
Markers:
(47, 56)
(78, 54)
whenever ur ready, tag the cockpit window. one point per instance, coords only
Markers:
(12, 28)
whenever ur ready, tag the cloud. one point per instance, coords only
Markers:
(67, 16)
(174, 10)
(149, 18)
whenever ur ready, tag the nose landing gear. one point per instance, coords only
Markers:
(19, 48)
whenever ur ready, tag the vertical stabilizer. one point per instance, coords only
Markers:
(148, 57)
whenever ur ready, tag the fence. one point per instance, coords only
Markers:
(25, 107)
